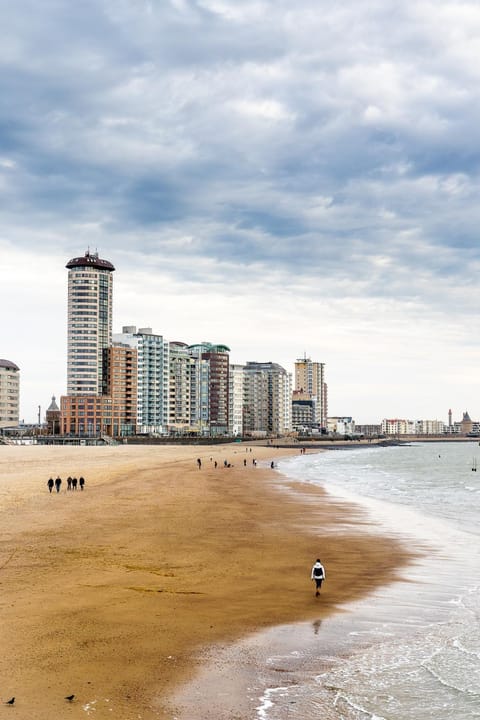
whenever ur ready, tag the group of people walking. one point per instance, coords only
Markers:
(72, 483)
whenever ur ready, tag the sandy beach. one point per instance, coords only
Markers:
(109, 593)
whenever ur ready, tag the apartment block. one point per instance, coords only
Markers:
(86, 415)
(179, 403)
(310, 383)
(268, 399)
(396, 426)
(210, 387)
(236, 393)
(9, 394)
(120, 383)
(152, 377)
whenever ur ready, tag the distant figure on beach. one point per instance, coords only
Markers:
(58, 484)
(50, 484)
(74, 483)
(272, 464)
(81, 482)
(318, 574)
(69, 483)
(244, 463)
(254, 462)
(199, 463)
(215, 464)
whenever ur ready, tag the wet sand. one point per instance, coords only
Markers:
(111, 593)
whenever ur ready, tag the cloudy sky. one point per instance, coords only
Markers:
(284, 178)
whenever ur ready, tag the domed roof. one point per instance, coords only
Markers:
(53, 406)
(90, 260)
(8, 365)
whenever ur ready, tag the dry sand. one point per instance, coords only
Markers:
(109, 593)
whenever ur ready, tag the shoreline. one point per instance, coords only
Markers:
(112, 593)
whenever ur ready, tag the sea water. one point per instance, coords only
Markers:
(411, 650)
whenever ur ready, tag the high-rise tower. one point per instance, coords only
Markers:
(310, 380)
(90, 283)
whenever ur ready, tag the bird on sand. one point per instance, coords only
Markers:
(10, 702)
(69, 698)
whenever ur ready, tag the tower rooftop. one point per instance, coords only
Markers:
(8, 365)
(90, 260)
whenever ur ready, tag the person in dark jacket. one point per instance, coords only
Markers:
(318, 574)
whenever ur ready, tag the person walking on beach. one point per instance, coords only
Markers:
(318, 574)
(50, 484)
(81, 482)
(74, 483)
(58, 483)
(69, 483)
(199, 463)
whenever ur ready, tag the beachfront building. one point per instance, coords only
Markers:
(180, 371)
(89, 329)
(152, 377)
(430, 427)
(84, 411)
(209, 385)
(267, 399)
(341, 425)
(120, 379)
(397, 426)
(311, 386)
(9, 394)
(86, 415)
(236, 399)
(304, 412)
(368, 430)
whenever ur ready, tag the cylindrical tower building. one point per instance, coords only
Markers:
(90, 284)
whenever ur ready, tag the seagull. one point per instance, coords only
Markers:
(10, 702)
(69, 698)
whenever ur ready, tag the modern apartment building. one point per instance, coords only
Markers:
(180, 371)
(398, 426)
(152, 377)
(430, 427)
(304, 407)
(310, 383)
(89, 331)
(268, 399)
(9, 394)
(120, 379)
(210, 387)
(236, 399)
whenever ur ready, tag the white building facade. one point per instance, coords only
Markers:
(398, 426)
(236, 399)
